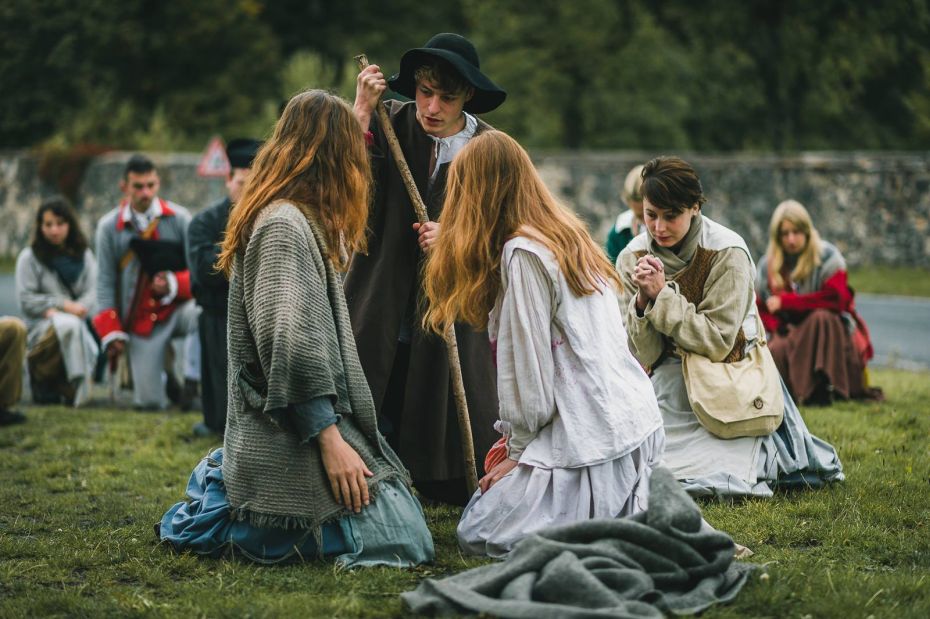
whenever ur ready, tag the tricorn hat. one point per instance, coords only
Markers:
(156, 255)
(457, 51)
(241, 152)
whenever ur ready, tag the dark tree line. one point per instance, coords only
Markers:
(778, 75)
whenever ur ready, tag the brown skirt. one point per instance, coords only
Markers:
(818, 361)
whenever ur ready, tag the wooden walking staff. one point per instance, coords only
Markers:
(452, 347)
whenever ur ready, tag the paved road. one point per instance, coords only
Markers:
(900, 328)
(900, 325)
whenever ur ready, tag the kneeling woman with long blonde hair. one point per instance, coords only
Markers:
(303, 471)
(581, 424)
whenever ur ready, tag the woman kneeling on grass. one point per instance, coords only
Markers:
(819, 342)
(578, 413)
(303, 471)
(688, 287)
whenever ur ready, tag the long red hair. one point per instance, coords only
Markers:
(316, 159)
(493, 193)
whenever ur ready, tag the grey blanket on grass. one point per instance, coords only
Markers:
(663, 560)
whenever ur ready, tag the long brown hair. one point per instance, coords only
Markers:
(317, 159)
(75, 243)
(809, 258)
(493, 193)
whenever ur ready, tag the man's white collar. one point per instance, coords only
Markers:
(154, 210)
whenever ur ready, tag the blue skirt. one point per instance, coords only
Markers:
(390, 531)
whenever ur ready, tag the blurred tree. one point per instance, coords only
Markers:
(791, 74)
(337, 31)
(583, 74)
(636, 74)
(205, 65)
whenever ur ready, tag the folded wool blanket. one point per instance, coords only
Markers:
(663, 560)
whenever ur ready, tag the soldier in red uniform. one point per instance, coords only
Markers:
(142, 310)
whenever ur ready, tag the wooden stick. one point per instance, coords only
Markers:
(452, 347)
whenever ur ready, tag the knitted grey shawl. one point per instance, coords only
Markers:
(290, 341)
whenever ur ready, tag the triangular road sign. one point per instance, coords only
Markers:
(214, 161)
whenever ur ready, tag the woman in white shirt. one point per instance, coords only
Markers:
(56, 279)
(581, 424)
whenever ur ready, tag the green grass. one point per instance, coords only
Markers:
(907, 281)
(81, 489)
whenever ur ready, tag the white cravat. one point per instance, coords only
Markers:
(445, 149)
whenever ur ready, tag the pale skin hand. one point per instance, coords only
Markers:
(649, 277)
(114, 350)
(345, 469)
(160, 285)
(496, 474)
(69, 307)
(369, 86)
(73, 307)
(773, 303)
(427, 234)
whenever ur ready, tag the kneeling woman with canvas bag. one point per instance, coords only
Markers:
(689, 312)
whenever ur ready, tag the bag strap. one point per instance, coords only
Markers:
(761, 340)
(146, 234)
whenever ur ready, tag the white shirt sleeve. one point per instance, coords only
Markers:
(525, 366)
(172, 288)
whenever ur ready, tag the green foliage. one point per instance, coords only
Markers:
(120, 73)
(779, 75)
(82, 489)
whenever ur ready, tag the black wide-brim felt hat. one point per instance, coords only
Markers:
(457, 51)
(241, 152)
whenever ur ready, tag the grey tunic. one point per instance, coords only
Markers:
(290, 341)
(38, 289)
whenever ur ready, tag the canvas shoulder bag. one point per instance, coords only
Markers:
(733, 400)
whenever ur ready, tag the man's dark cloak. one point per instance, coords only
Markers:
(378, 287)
(210, 288)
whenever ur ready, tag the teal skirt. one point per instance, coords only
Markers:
(390, 531)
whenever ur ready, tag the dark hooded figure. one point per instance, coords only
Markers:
(407, 368)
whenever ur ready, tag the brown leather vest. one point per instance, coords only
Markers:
(691, 281)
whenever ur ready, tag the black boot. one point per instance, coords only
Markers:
(189, 399)
(8, 417)
(173, 389)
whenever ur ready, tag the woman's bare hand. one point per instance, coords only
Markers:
(649, 277)
(345, 469)
(496, 474)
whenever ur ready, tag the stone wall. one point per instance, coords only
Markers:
(874, 206)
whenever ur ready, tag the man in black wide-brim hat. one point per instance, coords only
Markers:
(407, 368)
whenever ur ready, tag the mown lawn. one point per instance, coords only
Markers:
(905, 281)
(81, 489)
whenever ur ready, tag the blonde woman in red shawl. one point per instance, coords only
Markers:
(819, 342)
